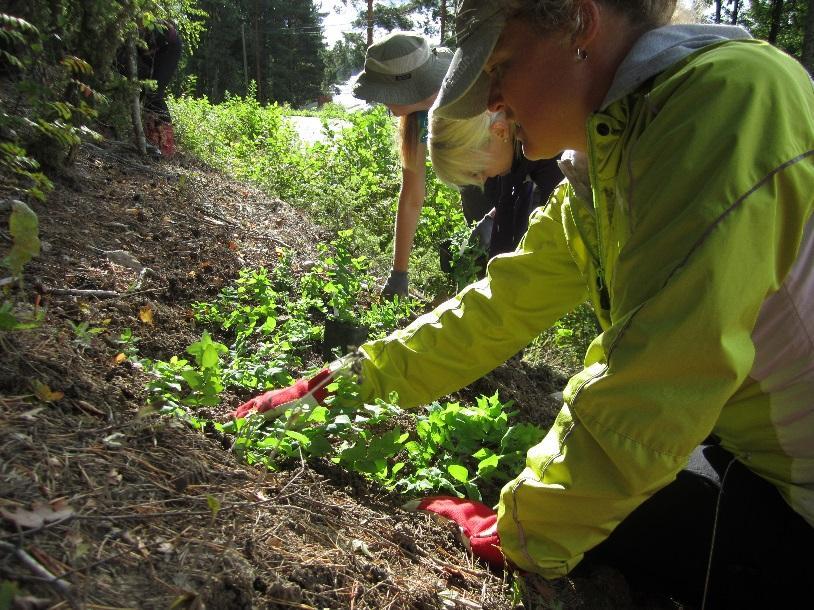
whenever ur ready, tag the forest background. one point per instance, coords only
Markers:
(271, 55)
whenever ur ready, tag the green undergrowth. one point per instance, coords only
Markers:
(350, 179)
(269, 325)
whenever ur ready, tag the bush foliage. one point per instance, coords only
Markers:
(350, 179)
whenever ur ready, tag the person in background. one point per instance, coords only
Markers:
(483, 152)
(683, 453)
(402, 72)
(158, 60)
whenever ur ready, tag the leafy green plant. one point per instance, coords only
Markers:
(384, 315)
(345, 275)
(459, 447)
(179, 382)
(468, 258)
(128, 343)
(24, 229)
(12, 319)
(84, 333)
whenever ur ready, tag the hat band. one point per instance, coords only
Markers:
(399, 65)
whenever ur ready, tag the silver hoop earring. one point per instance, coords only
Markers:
(582, 54)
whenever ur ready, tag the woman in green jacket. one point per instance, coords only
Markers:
(697, 253)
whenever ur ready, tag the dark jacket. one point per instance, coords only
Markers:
(516, 194)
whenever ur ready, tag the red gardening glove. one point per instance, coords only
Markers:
(279, 400)
(476, 521)
(166, 139)
(152, 131)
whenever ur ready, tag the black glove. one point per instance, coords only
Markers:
(482, 232)
(396, 284)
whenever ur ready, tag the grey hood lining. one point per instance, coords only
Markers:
(658, 49)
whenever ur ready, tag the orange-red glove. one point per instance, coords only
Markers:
(476, 521)
(311, 391)
(166, 137)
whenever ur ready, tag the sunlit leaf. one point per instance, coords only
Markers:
(458, 472)
(45, 393)
(24, 229)
(145, 314)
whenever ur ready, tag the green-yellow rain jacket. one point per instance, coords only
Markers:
(697, 254)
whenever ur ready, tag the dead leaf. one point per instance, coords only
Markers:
(145, 314)
(232, 245)
(120, 357)
(124, 259)
(186, 601)
(137, 542)
(111, 440)
(46, 394)
(146, 411)
(80, 548)
(359, 546)
(113, 477)
(31, 414)
(40, 514)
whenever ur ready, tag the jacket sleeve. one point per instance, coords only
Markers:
(715, 224)
(523, 293)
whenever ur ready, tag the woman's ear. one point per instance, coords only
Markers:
(500, 129)
(589, 15)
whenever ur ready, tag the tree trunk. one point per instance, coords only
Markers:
(735, 7)
(807, 56)
(258, 49)
(777, 13)
(718, 4)
(245, 60)
(135, 104)
(369, 22)
(443, 20)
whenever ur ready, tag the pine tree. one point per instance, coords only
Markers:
(283, 53)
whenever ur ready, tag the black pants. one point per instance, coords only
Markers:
(159, 64)
(762, 554)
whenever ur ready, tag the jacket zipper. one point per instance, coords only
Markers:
(604, 295)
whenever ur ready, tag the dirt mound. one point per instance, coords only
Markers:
(104, 506)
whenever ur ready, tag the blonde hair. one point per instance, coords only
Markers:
(407, 138)
(459, 148)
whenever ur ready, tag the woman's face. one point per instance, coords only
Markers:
(540, 84)
(405, 109)
(500, 150)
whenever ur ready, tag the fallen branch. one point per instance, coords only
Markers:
(77, 292)
(62, 586)
(102, 294)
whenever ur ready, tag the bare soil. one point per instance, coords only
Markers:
(138, 511)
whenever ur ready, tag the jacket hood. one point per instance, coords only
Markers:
(659, 49)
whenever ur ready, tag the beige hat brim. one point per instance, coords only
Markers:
(465, 90)
(422, 83)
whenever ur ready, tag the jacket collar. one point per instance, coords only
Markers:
(658, 49)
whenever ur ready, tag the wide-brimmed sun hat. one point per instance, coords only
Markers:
(401, 69)
(465, 90)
